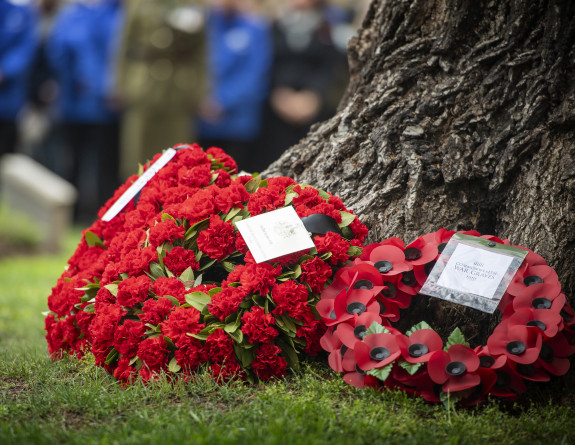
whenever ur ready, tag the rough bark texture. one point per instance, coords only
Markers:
(459, 114)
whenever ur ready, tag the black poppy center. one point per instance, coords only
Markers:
(537, 323)
(332, 315)
(408, 278)
(343, 350)
(566, 317)
(532, 279)
(429, 267)
(441, 247)
(379, 353)
(360, 331)
(356, 308)
(412, 253)
(486, 361)
(359, 370)
(390, 292)
(417, 349)
(516, 347)
(547, 353)
(363, 284)
(541, 303)
(383, 266)
(455, 368)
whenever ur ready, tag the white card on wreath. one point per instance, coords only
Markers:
(275, 234)
(474, 270)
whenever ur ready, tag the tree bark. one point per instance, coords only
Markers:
(459, 114)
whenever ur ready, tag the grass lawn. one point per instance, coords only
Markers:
(72, 402)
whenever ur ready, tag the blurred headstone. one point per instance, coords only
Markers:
(28, 187)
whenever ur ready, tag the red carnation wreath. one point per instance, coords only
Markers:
(168, 284)
(533, 341)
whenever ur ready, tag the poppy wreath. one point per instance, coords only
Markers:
(168, 284)
(533, 341)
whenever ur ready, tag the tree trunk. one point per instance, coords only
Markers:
(459, 114)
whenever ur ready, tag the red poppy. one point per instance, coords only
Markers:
(394, 241)
(521, 344)
(532, 280)
(547, 320)
(354, 375)
(508, 384)
(533, 372)
(355, 329)
(357, 276)
(554, 355)
(455, 369)
(420, 345)
(389, 260)
(392, 294)
(420, 252)
(376, 351)
(543, 302)
(349, 302)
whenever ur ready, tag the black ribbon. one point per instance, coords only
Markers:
(320, 224)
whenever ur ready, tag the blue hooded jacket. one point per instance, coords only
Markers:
(18, 42)
(240, 53)
(80, 51)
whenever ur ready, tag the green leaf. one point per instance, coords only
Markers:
(233, 212)
(199, 336)
(411, 368)
(245, 356)
(89, 309)
(253, 184)
(346, 218)
(208, 264)
(288, 322)
(289, 353)
(456, 338)
(229, 267)
(325, 195)
(113, 288)
(418, 327)
(173, 300)
(214, 291)
(173, 365)
(237, 335)
(376, 328)
(347, 232)
(296, 272)
(198, 280)
(289, 198)
(233, 326)
(166, 216)
(187, 275)
(381, 373)
(354, 251)
(93, 240)
(198, 300)
(112, 356)
(156, 270)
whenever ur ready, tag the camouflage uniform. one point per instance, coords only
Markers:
(160, 76)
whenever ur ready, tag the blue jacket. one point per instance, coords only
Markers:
(240, 53)
(81, 52)
(18, 42)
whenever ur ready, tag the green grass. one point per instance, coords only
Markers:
(74, 402)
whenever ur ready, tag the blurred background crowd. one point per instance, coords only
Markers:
(91, 88)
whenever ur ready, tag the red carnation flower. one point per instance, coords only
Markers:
(180, 322)
(455, 369)
(233, 196)
(156, 311)
(128, 337)
(138, 261)
(154, 352)
(219, 347)
(105, 322)
(218, 240)
(268, 364)
(173, 287)
(133, 290)
(257, 326)
(190, 354)
(167, 230)
(179, 259)
(311, 331)
(265, 199)
(335, 244)
(315, 273)
(255, 277)
(198, 176)
(197, 207)
(291, 299)
(226, 302)
(223, 158)
(124, 372)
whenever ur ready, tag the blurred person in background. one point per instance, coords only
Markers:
(160, 76)
(18, 42)
(239, 59)
(80, 51)
(303, 71)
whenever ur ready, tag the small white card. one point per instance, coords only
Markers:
(275, 234)
(474, 270)
(133, 190)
